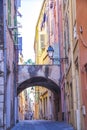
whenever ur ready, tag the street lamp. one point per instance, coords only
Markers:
(50, 52)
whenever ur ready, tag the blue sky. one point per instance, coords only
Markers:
(30, 10)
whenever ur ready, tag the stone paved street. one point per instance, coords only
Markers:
(42, 125)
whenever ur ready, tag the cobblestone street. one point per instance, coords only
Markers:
(42, 125)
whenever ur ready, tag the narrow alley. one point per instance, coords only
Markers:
(43, 64)
(42, 125)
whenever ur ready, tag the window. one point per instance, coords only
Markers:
(71, 96)
(67, 33)
(15, 31)
(42, 41)
(1, 8)
(66, 37)
(64, 3)
(9, 12)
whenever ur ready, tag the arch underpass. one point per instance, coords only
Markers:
(39, 81)
(48, 76)
(38, 75)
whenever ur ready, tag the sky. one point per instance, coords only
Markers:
(30, 10)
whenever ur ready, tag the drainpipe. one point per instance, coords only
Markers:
(15, 77)
(5, 63)
(59, 35)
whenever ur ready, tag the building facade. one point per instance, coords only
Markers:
(46, 35)
(8, 62)
(74, 74)
(81, 61)
(40, 53)
(21, 106)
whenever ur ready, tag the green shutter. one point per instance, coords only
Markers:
(9, 12)
(15, 30)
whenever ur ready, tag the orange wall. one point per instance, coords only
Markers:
(81, 7)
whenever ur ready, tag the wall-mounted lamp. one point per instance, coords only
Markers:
(50, 52)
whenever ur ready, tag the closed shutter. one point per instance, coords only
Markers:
(9, 12)
(42, 41)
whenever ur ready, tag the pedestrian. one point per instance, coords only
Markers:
(26, 115)
(31, 115)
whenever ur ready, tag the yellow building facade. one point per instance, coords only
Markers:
(41, 45)
(46, 106)
(21, 106)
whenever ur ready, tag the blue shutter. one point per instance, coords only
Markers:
(20, 43)
(18, 3)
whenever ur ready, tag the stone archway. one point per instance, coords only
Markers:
(45, 76)
(49, 84)
(39, 81)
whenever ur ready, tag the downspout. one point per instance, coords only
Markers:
(15, 62)
(59, 33)
(58, 15)
(58, 10)
(5, 63)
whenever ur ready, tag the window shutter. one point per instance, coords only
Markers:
(42, 41)
(9, 12)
